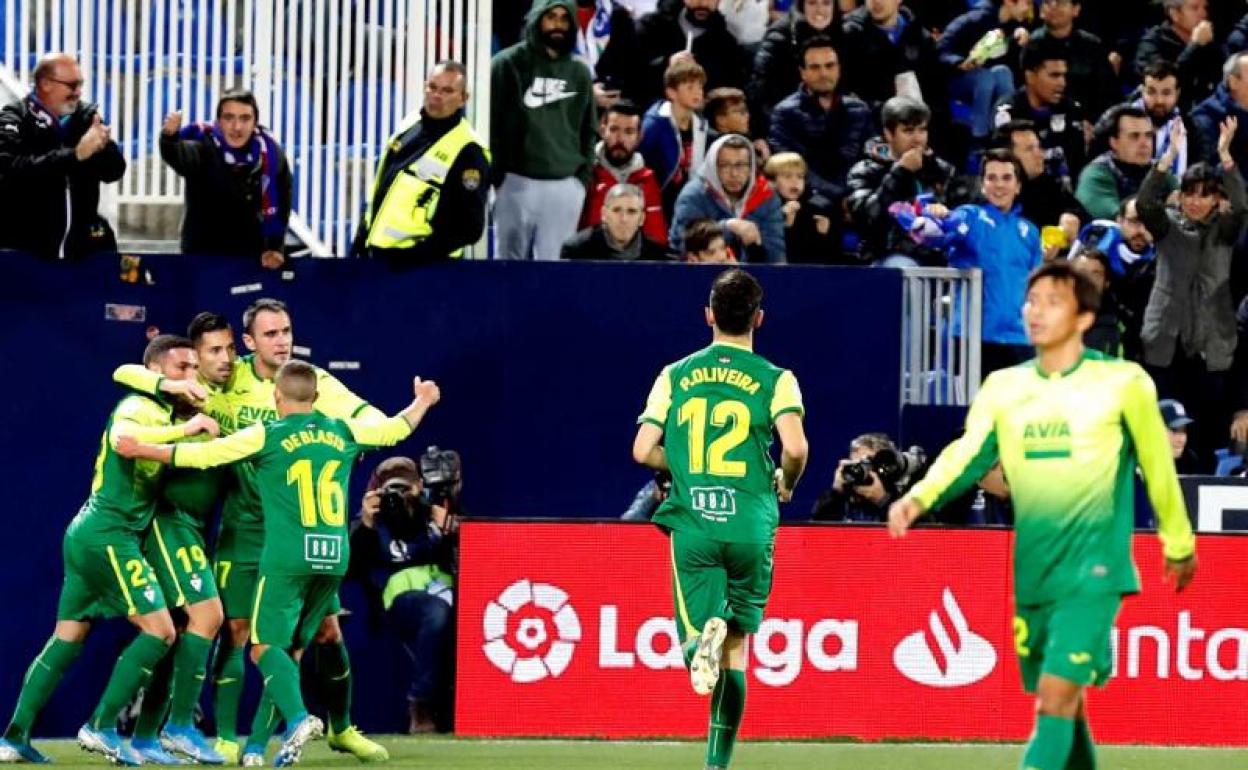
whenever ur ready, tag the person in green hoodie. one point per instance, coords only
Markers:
(543, 127)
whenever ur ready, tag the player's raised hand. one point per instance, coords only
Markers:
(1181, 572)
(902, 514)
(126, 446)
(427, 391)
(201, 423)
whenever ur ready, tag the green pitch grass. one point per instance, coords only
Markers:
(449, 754)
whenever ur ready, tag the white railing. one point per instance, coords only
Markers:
(942, 321)
(333, 78)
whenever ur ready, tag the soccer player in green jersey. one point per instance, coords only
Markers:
(709, 421)
(1069, 428)
(302, 463)
(106, 574)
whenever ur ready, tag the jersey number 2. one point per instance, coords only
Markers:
(327, 502)
(712, 461)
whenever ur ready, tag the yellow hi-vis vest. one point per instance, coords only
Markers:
(405, 217)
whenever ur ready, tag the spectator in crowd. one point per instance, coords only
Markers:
(405, 551)
(728, 112)
(747, 21)
(619, 235)
(897, 169)
(1090, 79)
(863, 496)
(55, 150)
(995, 237)
(1046, 200)
(730, 190)
(887, 54)
(692, 30)
(1105, 335)
(809, 237)
(543, 128)
(823, 125)
(776, 65)
(1189, 333)
(1057, 118)
(1117, 173)
(1175, 417)
(1185, 38)
(973, 47)
(705, 245)
(432, 183)
(1158, 96)
(1238, 39)
(617, 160)
(1130, 253)
(1230, 101)
(674, 135)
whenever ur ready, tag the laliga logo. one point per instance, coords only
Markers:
(531, 631)
(963, 659)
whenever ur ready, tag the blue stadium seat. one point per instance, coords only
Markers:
(1228, 462)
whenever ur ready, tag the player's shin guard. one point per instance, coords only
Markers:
(190, 662)
(133, 669)
(281, 683)
(1050, 744)
(333, 672)
(264, 725)
(41, 679)
(229, 682)
(155, 701)
(727, 706)
(1083, 752)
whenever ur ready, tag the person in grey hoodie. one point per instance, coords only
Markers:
(1189, 332)
(729, 189)
(543, 127)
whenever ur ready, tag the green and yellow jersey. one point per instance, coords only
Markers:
(717, 408)
(302, 465)
(1069, 443)
(190, 497)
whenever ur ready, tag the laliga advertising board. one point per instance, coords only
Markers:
(566, 629)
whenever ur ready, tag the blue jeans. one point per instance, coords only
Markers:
(981, 89)
(422, 622)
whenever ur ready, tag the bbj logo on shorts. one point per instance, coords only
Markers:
(960, 657)
(531, 631)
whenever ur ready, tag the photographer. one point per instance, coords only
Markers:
(866, 482)
(404, 546)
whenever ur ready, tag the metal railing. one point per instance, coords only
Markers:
(333, 79)
(942, 322)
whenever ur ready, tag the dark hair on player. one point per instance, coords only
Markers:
(205, 322)
(1041, 50)
(811, 43)
(1087, 296)
(242, 96)
(1001, 155)
(262, 305)
(700, 234)
(904, 111)
(736, 297)
(160, 346)
(1160, 69)
(297, 381)
(622, 107)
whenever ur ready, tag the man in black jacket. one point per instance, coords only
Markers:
(887, 54)
(1090, 77)
(1185, 38)
(238, 184)
(441, 163)
(55, 150)
(1046, 200)
(1043, 100)
(619, 236)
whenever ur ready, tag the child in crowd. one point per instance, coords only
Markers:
(809, 235)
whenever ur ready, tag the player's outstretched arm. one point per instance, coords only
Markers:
(144, 380)
(794, 453)
(391, 430)
(648, 447)
(208, 454)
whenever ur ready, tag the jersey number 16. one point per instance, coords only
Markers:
(329, 503)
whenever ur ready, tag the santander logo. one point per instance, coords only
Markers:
(961, 656)
(531, 631)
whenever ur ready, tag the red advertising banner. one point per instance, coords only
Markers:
(566, 629)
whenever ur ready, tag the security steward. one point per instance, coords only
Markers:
(429, 195)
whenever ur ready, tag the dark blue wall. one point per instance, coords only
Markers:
(543, 368)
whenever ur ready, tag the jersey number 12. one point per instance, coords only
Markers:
(713, 460)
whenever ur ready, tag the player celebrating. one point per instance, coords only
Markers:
(302, 464)
(1069, 429)
(105, 572)
(717, 408)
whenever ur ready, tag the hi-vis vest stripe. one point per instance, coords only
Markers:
(405, 217)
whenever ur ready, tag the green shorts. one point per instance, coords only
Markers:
(1069, 639)
(106, 576)
(176, 549)
(289, 608)
(236, 582)
(713, 579)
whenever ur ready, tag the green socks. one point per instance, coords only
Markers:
(1083, 753)
(155, 701)
(1050, 744)
(264, 725)
(132, 671)
(229, 681)
(281, 683)
(190, 664)
(727, 706)
(333, 673)
(41, 679)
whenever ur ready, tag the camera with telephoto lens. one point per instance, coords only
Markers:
(895, 469)
(399, 508)
(440, 472)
